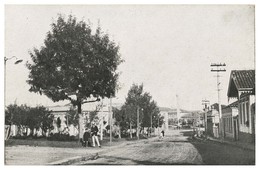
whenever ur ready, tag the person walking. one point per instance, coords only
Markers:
(163, 133)
(94, 131)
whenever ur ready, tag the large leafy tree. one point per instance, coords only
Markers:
(75, 63)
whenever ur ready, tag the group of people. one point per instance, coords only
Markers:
(91, 134)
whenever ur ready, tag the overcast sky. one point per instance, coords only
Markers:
(168, 48)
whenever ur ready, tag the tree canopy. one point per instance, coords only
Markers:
(74, 61)
(148, 109)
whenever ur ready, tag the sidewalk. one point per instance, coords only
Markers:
(233, 143)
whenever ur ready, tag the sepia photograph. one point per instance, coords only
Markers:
(129, 84)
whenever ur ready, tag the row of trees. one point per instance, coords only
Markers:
(25, 117)
(138, 100)
(39, 117)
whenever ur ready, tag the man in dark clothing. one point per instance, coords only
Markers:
(86, 138)
(94, 131)
(162, 133)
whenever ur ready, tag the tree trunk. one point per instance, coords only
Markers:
(131, 130)
(79, 113)
(119, 132)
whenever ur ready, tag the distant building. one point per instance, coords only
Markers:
(230, 121)
(242, 88)
(172, 119)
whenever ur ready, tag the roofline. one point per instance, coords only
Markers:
(231, 79)
(246, 89)
(229, 84)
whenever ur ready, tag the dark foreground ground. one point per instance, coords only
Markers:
(177, 148)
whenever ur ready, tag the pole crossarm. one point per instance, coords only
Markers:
(218, 70)
(217, 64)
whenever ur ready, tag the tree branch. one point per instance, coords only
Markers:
(74, 102)
(97, 100)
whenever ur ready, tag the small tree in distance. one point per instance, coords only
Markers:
(127, 115)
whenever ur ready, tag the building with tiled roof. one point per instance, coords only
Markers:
(241, 87)
(241, 81)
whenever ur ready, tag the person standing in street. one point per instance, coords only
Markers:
(86, 137)
(94, 131)
(163, 133)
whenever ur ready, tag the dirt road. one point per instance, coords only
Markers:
(176, 148)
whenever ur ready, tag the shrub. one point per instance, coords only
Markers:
(61, 137)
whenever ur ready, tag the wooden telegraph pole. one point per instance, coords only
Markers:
(137, 124)
(219, 68)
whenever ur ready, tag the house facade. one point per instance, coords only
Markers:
(242, 88)
(230, 121)
(60, 112)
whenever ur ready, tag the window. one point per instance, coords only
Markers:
(240, 113)
(247, 114)
(230, 122)
(244, 113)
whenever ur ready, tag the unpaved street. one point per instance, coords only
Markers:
(177, 148)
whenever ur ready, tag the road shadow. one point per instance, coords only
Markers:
(187, 133)
(214, 153)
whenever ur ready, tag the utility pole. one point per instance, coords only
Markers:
(150, 131)
(16, 62)
(110, 130)
(205, 103)
(102, 120)
(137, 126)
(178, 110)
(158, 124)
(219, 68)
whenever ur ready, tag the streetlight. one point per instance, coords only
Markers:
(16, 62)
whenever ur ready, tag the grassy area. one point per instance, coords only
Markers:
(43, 142)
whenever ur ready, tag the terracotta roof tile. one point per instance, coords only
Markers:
(243, 79)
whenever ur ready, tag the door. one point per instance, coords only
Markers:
(235, 129)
